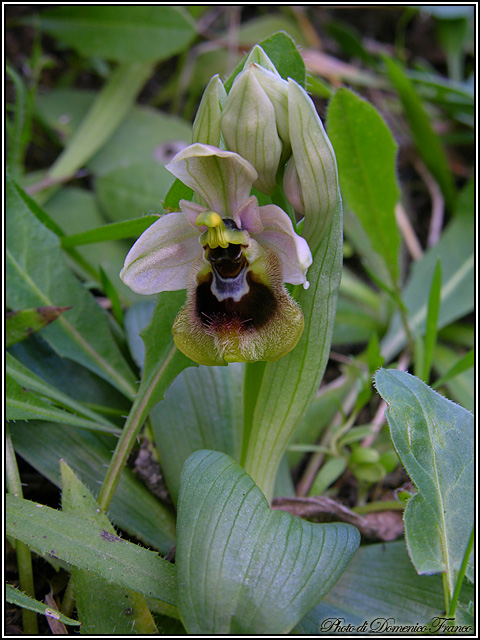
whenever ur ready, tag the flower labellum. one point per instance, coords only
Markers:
(231, 255)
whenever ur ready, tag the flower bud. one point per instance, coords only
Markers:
(206, 128)
(258, 56)
(277, 91)
(249, 128)
(310, 180)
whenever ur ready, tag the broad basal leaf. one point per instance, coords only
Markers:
(202, 409)
(368, 597)
(242, 568)
(145, 135)
(434, 439)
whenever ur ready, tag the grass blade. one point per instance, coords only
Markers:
(432, 321)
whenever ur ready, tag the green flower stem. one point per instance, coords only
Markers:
(453, 602)
(24, 558)
(446, 593)
(138, 414)
(68, 601)
(126, 442)
(109, 109)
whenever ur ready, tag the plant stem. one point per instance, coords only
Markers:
(24, 558)
(461, 573)
(446, 592)
(125, 444)
(68, 601)
(137, 416)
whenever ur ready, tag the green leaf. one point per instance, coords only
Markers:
(112, 295)
(90, 547)
(133, 507)
(261, 29)
(37, 276)
(133, 191)
(330, 471)
(101, 607)
(426, 140)
(23, 404)
(66, 381)
(467, 361)
(177, 192)
(77, 212)
(366, 153)
(137, 318)
(432, 320)
(284, 54)
(20, 324)
(357, 236)
(120, 33)
(14, 596)
(202, 409)
(115, 231)
(30, 381)
(163, 361)
(287, 386)
(455, 251)
(242, 568)
(434, 439)
(366, 593)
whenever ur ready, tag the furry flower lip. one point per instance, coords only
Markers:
(231, 255)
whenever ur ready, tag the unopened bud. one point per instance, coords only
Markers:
(311, 179)
(248, 125)
(206, 128)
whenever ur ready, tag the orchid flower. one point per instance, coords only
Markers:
(231, 255)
